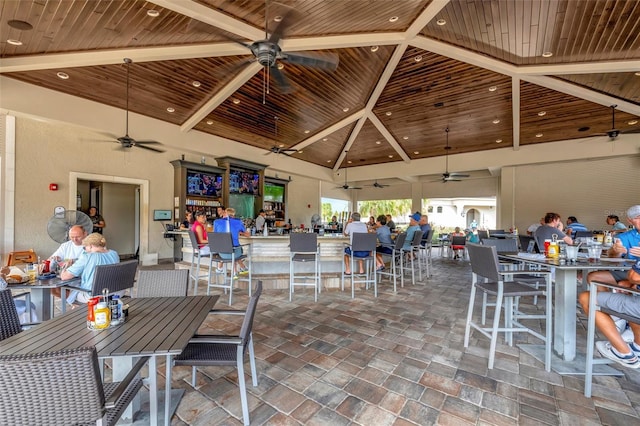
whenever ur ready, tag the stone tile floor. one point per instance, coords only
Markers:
(395, 360)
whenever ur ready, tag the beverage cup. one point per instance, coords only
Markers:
(32, 272)
(594, 253)
(572, 253)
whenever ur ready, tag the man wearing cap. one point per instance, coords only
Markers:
(627, 244)
(414, 219)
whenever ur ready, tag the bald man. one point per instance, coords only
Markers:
(69, 251)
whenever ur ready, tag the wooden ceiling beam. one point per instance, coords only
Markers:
(115, 56)
(430, 12)
(221, 95)
(329, 130)
(350, 141)
(212, 17)
(581, 68)
(341, 41)
(389, 137)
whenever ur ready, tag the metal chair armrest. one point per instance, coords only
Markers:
(204, 338)
(124, 384)
(616, 287)
(226, 312)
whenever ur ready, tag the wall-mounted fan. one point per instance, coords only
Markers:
(127, 141)
(346, 184)
(268, 51)
(62, 220)
(613, 133)
(446, 176)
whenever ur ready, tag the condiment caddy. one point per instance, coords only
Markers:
(105, 311)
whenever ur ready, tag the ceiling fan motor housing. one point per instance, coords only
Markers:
(266, 52)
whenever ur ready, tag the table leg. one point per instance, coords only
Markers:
(41, 297)
(153, 391)
(122, 365)
(564, 336)
(167, 392)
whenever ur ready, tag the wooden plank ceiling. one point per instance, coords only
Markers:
(407, 70)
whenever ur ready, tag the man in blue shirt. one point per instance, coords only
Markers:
(228, 223)
(414, 219)
(574, 226)
(627, 244)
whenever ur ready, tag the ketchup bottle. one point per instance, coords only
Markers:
(91, 318)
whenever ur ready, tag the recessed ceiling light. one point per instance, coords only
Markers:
(378, 142)
(171, 109)
(441, 22)
(547, 54)
(277, 18)
(405, 137)
(153, 13)
(281, 145)
(374, 48)
(307, 131)
(498, 140)
(349, 162)
(393, 19)
(496, 121)
(388, 113)
(493, 88)
(345, 109)
(418, 58)
(325, 139)
(632, 122)
(416, 152)
(542, 113)
(299, 152)
(196, 83)
(539, 135)
(280, 66)
(236, 101)
(20, 25)
(62, 75)
(328, 161)
(14, 42)
(390, 156)
(209, 122)
(638, 73)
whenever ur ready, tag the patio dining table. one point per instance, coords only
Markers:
(564, 359)
(41, 294)
(155, 327)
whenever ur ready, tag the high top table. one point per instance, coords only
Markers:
(565, 298)
(155, 327)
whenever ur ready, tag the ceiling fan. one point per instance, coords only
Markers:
(278, 149)
(613, 133)
(379, 185)
(346, 185)
(127, 141)
(446, 176)
(268, 52)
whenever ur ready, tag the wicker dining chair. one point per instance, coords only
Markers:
(9, 319)
(163, 283)
(226, 350)
(62, 388)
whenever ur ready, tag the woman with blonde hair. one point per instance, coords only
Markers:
(95, 254)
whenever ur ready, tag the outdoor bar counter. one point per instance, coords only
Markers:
(270, 258)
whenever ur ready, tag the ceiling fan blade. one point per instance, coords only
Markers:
(202, 27)
(326, 61)
(149, 148)
(281, 80)
(459, 175)
(149, 142)
(277, 33)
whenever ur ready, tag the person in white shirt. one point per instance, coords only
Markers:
(260, 220)
(354, 226)
(533, 227)
(69, 251)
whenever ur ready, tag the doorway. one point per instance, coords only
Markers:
(124, 204)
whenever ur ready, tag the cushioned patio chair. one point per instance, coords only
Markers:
(226, 350)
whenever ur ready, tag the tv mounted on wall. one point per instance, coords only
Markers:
(204, 184)
(273, 192)
(244, 183)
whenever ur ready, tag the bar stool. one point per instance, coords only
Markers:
(412, 253)
(222, 243)
(304, 249)
(396, 256)
(425, 252)
(194, 268)
(364, 242)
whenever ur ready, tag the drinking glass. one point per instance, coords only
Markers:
(594, 251)
(32, 272)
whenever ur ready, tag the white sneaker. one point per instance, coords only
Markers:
(629, 361)
(627, 335)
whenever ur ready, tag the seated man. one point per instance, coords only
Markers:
(425, 227)
(68, 252)
(574, 226)
(616, 348)
(552, 226)
(414, 219)
(354, 226)
(229, 223)
(384, 238)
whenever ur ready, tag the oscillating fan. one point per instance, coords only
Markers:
(59, 224)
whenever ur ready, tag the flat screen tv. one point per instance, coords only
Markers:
(244, 183)
(274, 192)
(204, 184)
